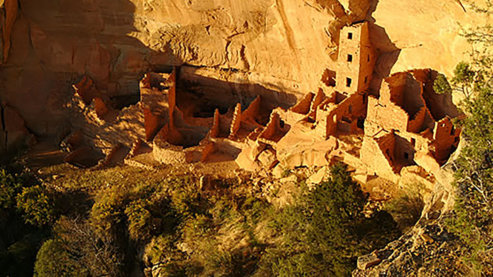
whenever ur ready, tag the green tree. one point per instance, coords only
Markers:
(473, 214)
(464, 79)
(473, 220)
(319, 235)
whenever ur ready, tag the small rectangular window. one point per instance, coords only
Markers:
(349, 58)
(368, 58)
(348, 82)
(350, 35)
(366, 79)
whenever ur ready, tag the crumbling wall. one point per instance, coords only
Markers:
(253, 110)
(317, 101)
(392, 89)
(303, 106)
(127, 127)
(273, 132)
(214, 132)
(446, 139)
(403, 152)
(236, 122)
(415, 125)
(344, 116)
(208, 150)
(221, 125)
(152, 124)
(387, 116)
(376, 154)
(167, 153)
(172, 99)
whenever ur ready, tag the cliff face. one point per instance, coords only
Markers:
(282, 45)
(427, 33)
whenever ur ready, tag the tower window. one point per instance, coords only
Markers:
(348, 82)
(368, 58)
(366, 79)
(350, 35)
(349, 58)
(406, 155)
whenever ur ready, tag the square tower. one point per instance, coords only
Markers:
(356, 59)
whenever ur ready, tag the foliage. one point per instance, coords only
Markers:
(81, 244)
(441, 85)
(474, 176)
(463, 80)
(185, 197)
(19, 240)
(10, 186)
(53, 260)
(37, 205)
(139, 218)
(406, 209)
(319, 234)
(221, 228)
(473, 215)
(107, 211)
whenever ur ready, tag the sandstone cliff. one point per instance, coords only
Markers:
(282, 45)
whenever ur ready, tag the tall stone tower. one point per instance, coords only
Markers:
(356, 59)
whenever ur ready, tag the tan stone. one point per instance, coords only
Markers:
(267, 158)
(318, 177)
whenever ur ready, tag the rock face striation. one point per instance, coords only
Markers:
(270, 85)
(280, 46)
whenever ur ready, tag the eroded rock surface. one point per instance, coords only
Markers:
(282, 46)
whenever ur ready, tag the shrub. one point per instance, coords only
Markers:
(441, 85)
(10, 186)
(139, 220)
(53, 260)
(406, 209)
(98, 253)
(108, 210)
(37, 205)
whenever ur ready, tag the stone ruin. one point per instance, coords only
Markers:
(405, 128)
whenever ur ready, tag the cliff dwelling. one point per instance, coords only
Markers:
(190, 115)
(205, 138)
(381, 133)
